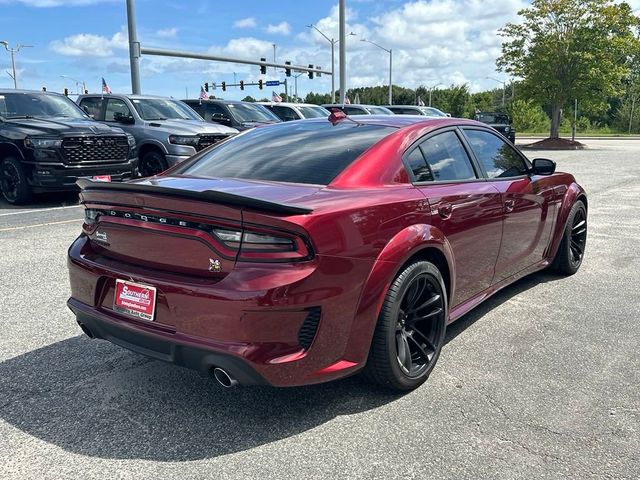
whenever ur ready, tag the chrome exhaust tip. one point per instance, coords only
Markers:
(223, 378)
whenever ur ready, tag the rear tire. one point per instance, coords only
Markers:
(574, 239)
(13, 182)
(152, 163)
(411, 328)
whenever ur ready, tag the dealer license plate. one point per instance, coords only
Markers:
(135, 300)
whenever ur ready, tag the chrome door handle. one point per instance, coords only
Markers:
(509, 205)
(444, 210)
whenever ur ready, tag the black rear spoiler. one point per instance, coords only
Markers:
(86, 185)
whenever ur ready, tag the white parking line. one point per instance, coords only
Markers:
(41, 210)
(22, 227)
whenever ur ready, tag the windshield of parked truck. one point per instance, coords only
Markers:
(37, 105)
(164, 109)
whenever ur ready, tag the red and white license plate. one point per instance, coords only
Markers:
(135, 300)
(102, 178)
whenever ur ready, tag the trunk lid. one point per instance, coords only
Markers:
(182, 225)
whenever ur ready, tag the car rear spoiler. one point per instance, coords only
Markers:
(86, 184)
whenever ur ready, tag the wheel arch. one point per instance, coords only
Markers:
(573, 194)
(151, 146)
(414, 243)
(8, 150)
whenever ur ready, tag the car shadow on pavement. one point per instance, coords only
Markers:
(51, 199)
(93, 398)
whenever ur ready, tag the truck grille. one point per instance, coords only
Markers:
(208, 140)
(95, 149)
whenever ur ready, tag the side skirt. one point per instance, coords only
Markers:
(465, 307)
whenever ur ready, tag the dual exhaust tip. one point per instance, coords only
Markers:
(224, 378)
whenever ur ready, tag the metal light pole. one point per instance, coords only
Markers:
(343, 50)
(431, 89)
(504, 86)
(134, 48)
(78, 83)
(390, 52)
(333, 63)
(295, 79)
(13, 52)
(274, 57)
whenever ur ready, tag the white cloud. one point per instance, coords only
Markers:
(167, 32)
(282, 28)
(90, 45)
(249, 22)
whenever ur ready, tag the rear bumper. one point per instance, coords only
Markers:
(248, 323)
(45, 177)
(173, 350)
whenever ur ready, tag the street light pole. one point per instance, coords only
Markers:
(13, 52)
(134, 47)
(504, 86)
(78, 83)
(431, 89)
(343, 50)
(390, 52)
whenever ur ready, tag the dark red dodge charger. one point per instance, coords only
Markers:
(307, 251)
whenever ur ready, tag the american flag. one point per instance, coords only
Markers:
(203, 95)
(105, 87)
(275, 97)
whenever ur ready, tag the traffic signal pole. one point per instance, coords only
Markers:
(134, 48)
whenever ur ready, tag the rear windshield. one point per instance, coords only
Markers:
(312, 152)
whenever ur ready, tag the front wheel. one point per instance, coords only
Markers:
(410, 330)
(152, 163)
(13, 182)
(574, 239)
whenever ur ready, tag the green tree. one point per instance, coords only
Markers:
(248, 98)
(567, 49)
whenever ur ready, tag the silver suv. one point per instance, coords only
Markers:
(166, 131)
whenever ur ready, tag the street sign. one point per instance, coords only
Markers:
(273, 83)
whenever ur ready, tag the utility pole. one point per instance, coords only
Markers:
(134, 48)
(390, 52)
(343, 50)
(13, 52)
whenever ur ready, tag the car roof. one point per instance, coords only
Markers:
(4, 91)
(290, 104)
(127, 95)
(214, 100)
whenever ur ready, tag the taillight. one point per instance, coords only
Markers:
(265, 246)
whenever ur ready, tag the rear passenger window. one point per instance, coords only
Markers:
(418, 166)
(447, 158)
(500, 159)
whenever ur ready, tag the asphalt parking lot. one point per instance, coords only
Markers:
(542, 381)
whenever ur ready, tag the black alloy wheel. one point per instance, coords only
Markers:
(578, 237)
(13, 182)
(572, 247)
(152, 163)
(410, 330)
(419, 325)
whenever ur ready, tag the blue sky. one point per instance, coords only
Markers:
(434, 42)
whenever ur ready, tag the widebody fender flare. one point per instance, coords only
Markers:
(569, 197)
(406, 244)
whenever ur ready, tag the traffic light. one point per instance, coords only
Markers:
(66, 92)
(224, 86)
(287, 71)
(263, 68)
(241, 84)
(44, 89)
(206, 86)
(310, 73)
(260, 84)
(86, 92)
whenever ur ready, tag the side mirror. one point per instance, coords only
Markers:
(85, 109)
(543, 166)
(220, 118)
(125, 119)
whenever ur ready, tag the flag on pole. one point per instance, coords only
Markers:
(275, 97)
(420, 102)
(347, 101)
(203, 95)
(357, 99)
(105, 87)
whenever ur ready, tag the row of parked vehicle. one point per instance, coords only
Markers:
(47, 141)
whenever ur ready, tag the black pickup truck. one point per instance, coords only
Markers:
(499, 121)
(47, 143)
